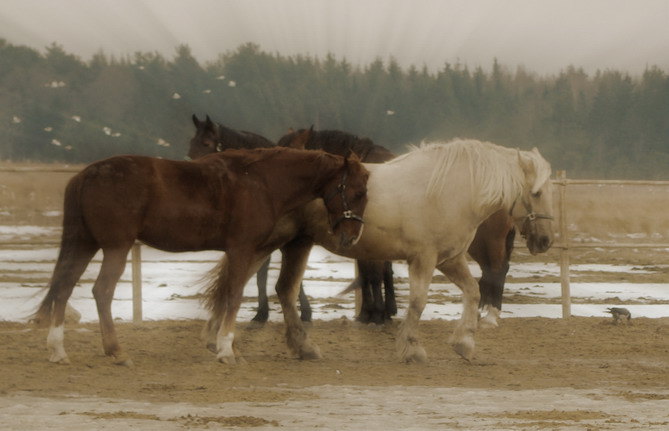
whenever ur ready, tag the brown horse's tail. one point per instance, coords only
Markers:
(77, 247)
(214, 297)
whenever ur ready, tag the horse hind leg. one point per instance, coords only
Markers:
(72, 262)
(113, 264)
(230, 287)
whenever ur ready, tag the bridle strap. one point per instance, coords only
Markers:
(347, 214)
(530, 217)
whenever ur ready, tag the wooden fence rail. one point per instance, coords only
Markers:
(564, 244)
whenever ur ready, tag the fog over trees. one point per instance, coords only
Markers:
(55, 106)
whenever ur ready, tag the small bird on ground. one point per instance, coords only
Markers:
(619, 313)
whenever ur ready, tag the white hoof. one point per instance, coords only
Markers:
(490, 319)
(227, 359)
(465, 347)
(54, 342)
(58, 358)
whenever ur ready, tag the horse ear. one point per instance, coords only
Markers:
(196, 121)
(209, 125)
(300, 141)
(534, 174)
(351, 155)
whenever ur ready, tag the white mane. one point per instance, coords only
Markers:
(495, 173)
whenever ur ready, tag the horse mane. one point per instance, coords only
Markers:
(340, 142)
(489, 178)
(241, 138)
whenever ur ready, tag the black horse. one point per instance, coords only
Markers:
(212, 137)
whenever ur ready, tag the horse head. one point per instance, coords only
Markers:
(345, 197)
(533, 211)
(206, 139)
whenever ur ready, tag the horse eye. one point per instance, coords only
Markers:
(537, 194)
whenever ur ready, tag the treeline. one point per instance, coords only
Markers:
(56, 107)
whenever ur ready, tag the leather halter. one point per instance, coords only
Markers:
(347, 214)
(530, 217)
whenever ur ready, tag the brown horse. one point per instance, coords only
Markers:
(372, 274)
(211, 137)
(228, 201)
(491, 247)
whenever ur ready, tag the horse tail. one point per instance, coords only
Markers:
(77, 247)
(214, 297)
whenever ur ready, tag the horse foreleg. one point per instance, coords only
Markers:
(389, 290)
(305, 306)
(293, 264)
(420, 275)
(491, 287)
(263, 301)
(462, 339)
(113, 264)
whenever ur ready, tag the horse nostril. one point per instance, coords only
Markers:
(544, 243)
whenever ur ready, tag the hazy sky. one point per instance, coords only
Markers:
(545, 36)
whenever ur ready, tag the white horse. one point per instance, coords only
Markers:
(423, 207)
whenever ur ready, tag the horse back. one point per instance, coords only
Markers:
(172, 205)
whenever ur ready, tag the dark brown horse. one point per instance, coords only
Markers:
(211, 137)
(228, 201)
(491, 248)
(372, 274)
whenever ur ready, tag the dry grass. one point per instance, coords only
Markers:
(601, 212)
(33, 197)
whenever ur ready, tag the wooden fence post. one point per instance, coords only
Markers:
(136, 283)
(564, 247)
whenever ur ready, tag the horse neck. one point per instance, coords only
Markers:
(234, 139)
(297, 180)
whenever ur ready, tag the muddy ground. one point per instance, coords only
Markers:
(527, 357)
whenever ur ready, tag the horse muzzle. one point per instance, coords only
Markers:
(539, 244)
(348, 236)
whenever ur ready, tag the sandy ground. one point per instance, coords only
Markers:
(530, 373)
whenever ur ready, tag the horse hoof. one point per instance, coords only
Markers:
(465, 348)
(312, 354)
(211, 347)
(125, 363)
(488, 323)
(124, 360)
(416, 355)
(228, 360)
(255, 324)
(62, 360)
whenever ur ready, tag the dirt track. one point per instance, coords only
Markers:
(522, 356)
